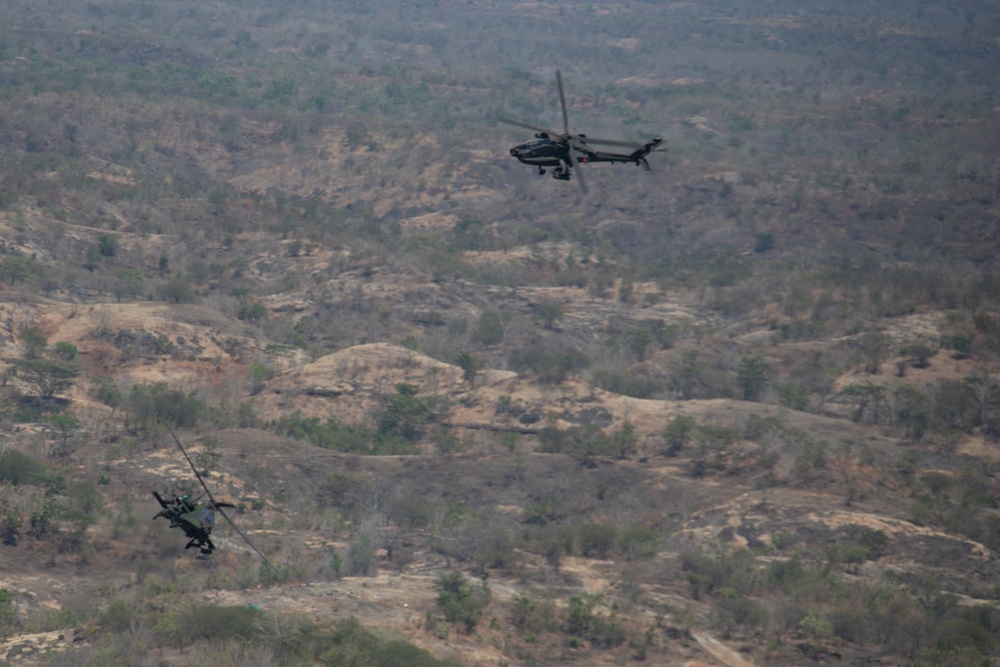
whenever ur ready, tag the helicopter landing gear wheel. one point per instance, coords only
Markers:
(541, 172)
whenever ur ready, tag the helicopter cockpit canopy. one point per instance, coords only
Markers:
(536, 149)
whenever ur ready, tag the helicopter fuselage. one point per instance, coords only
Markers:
(547, 152)
(541, 153)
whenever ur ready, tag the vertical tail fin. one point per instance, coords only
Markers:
(639, 156)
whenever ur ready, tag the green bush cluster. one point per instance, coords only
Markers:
(600, 540)
(586, 619)
(397, 428)
(285, 639)
(461, 601)
(148, 405)
(588, 441)
(809, 603)
(549, 366)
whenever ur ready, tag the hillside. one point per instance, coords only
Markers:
(741, 409)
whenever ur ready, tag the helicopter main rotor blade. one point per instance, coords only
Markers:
(573, 165)
(525, 125)
(562, 102)
(215, 505)
(247, 540)
(610, 142)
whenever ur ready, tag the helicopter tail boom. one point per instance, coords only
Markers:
(639, 156)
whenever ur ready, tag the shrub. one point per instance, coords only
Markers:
(533, 614)
(541, 511)
(583, 623)
(405, 418)
(329, 435)
(459, 601)
(707, 574)
(626, 384)
(49, 376)
(7, 612)
(105, 391)
(491, 328)
(550, 367)
(158, 403)
(17, 468)
(597, 539)
(678, 433)
(742, 612)
(352, 644)
(637, 541)
(587, 440)
(918, 354)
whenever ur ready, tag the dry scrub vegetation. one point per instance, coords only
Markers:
(741, 410)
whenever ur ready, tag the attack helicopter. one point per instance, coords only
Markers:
(564, 151)
(197, 519)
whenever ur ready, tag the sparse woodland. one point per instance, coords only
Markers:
(748, 401)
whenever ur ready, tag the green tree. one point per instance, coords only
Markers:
(208, 457)
(867, 394)
(65, 425)
(149, 404)
(470, 365)
(637, 541)
(253, 312)
(639, 339)
(16, 269)
(752, 377)
(10, 530)
(34, 343)
(918, 353)
(911, 409)
(65, 351)
(625, 441)
(460, 601)
(17, 468)
(48, 376)
(597, 539)
(107, 246)
(405, 416)
(178, 289)
(685, 374)
(491, 328)
(678, 433)
(259, 376)
(583, 623)
(874, 348)
(549, 366)
(985, 392)
(547, 314)
(129, 284)
(849, 553)
(107, 392)
(7, 613)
